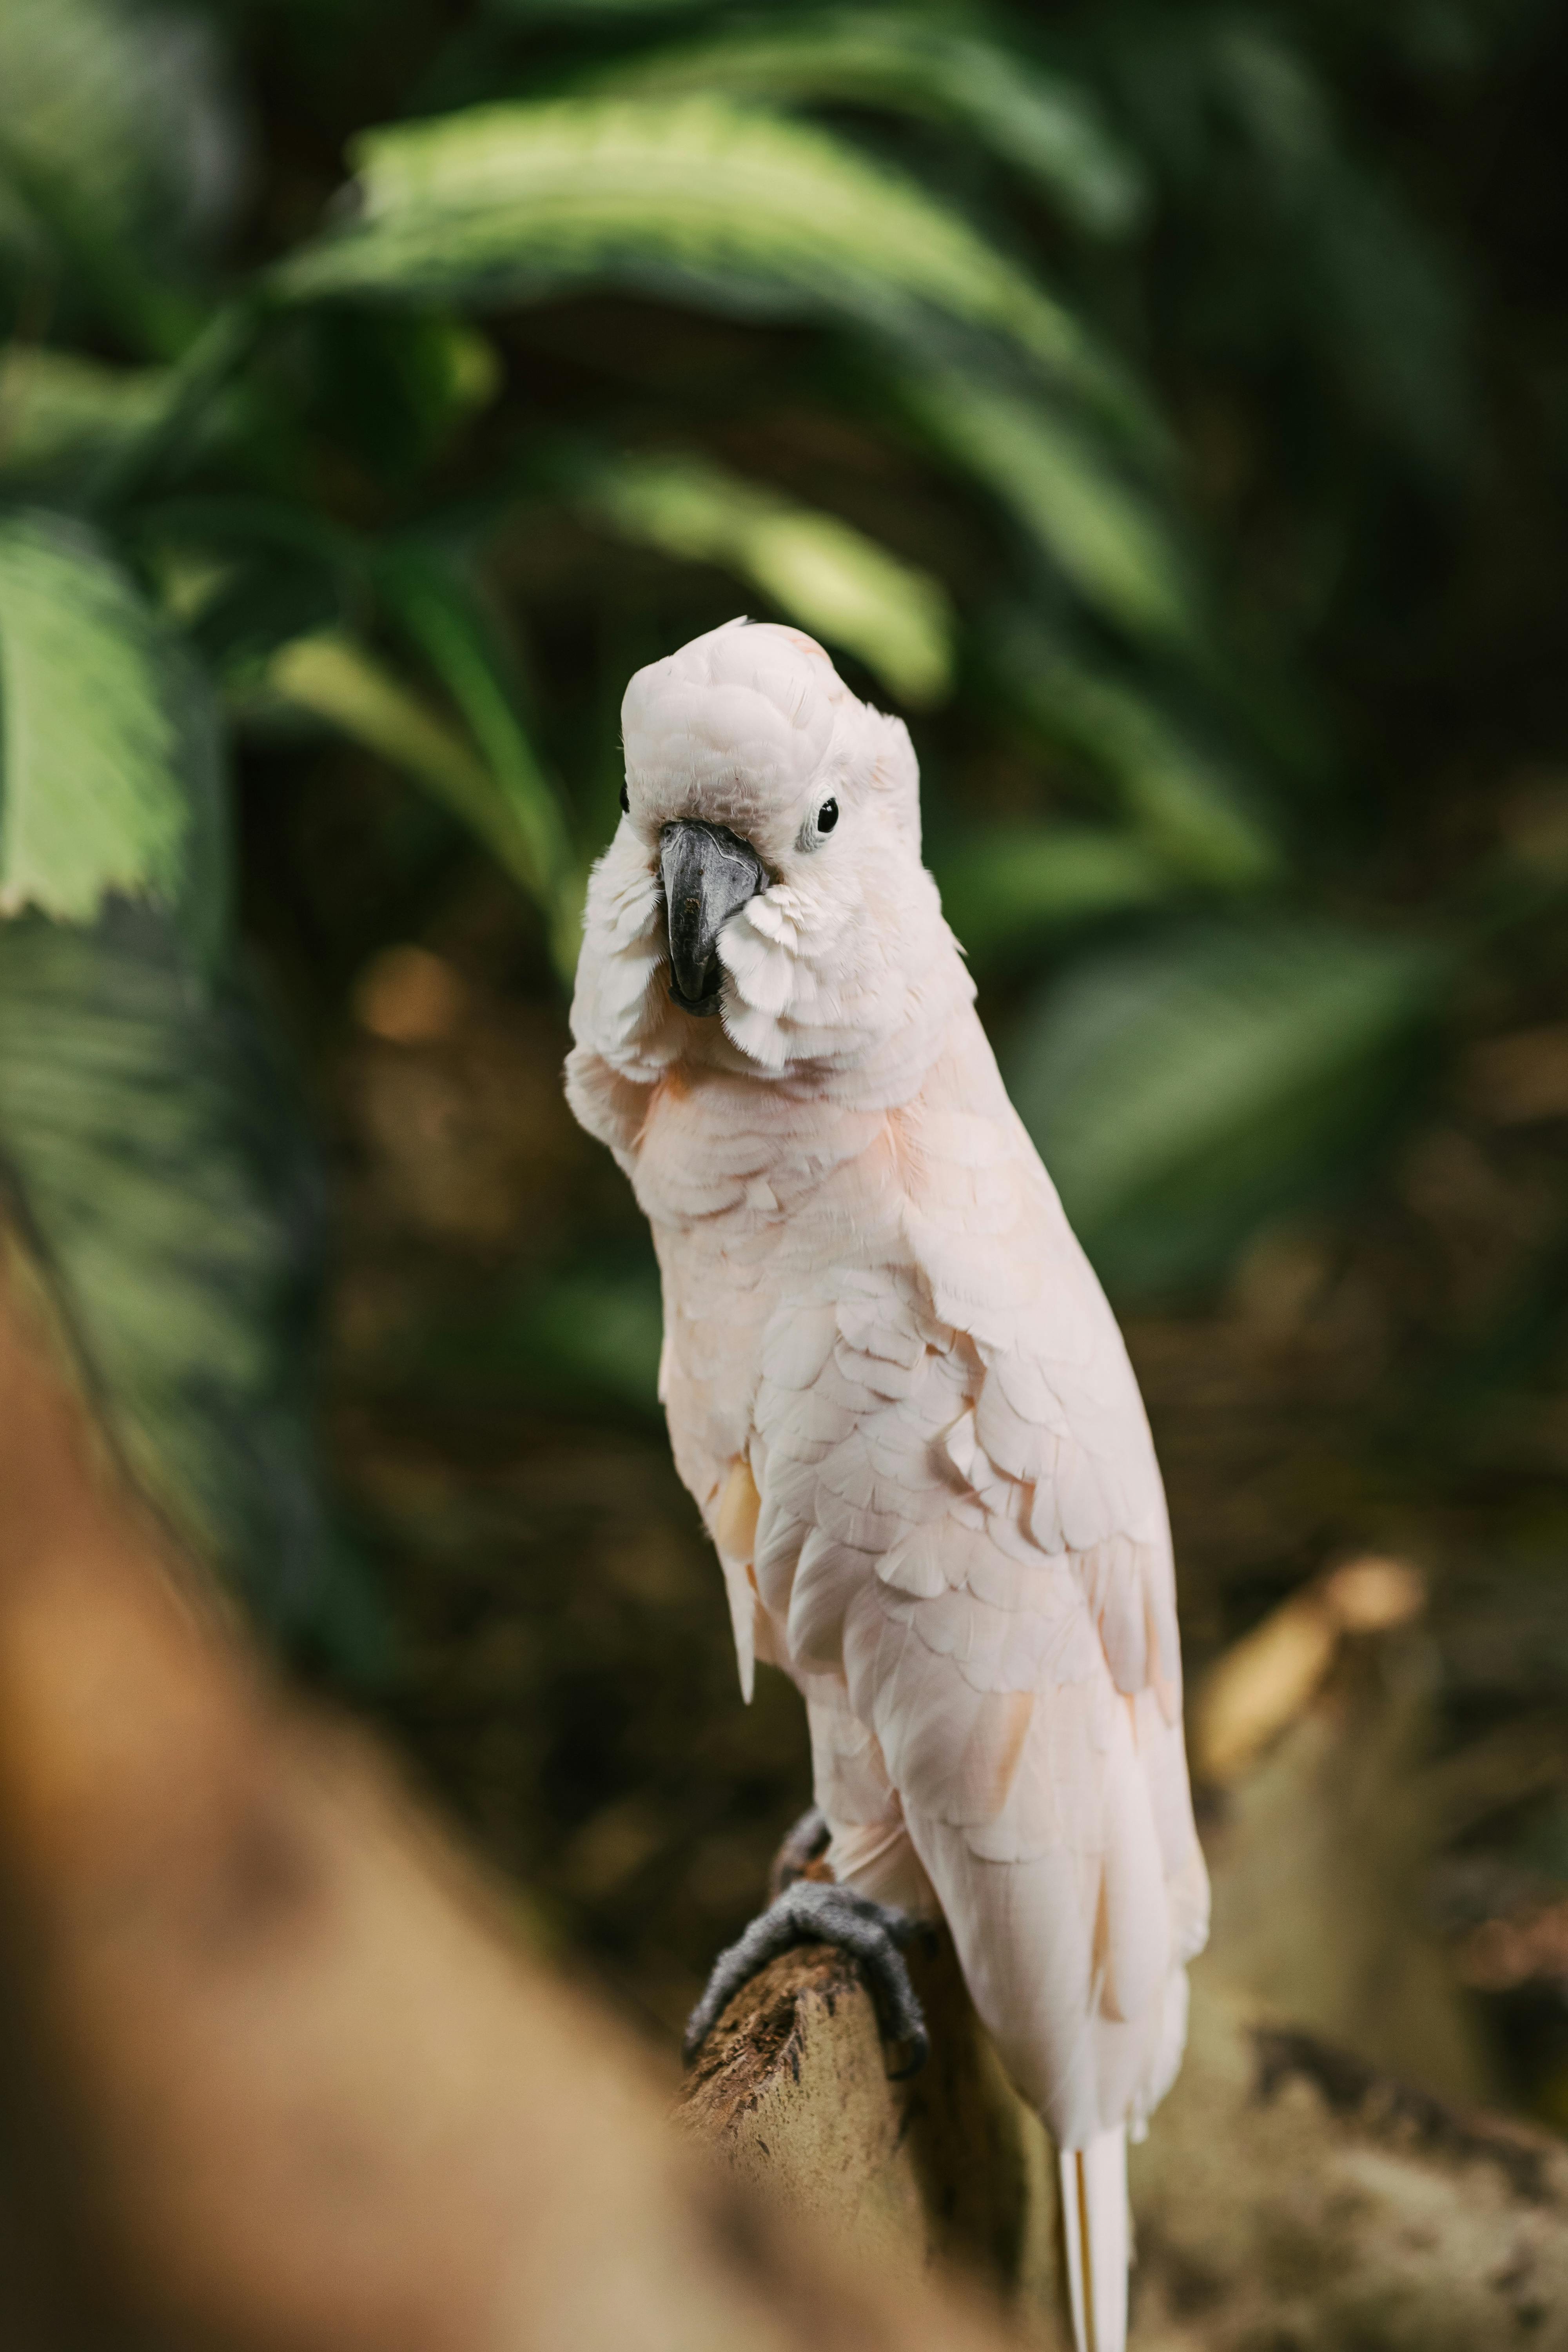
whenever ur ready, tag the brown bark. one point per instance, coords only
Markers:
(948, 2167)
(1287, 2193)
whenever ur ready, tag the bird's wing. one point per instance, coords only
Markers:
(962, 1514)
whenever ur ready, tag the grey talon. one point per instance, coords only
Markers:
(812, 1912)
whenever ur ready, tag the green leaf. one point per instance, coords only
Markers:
(686, 196)
(246, 574)
(1012, 885)
(108, 754)
(341, 682)
(438, 608)
(1185, 1088)
(157, 1158)
(1371, 281)
(1042, 125)
(820, 571)
(193, 411)
(1188, 803)
(126, 102)
(1296, 251)
(142, 1122)
(1093, 525)
(117, 152)
(60, 413)
(396, 387)
(338, 680)
(246, 564)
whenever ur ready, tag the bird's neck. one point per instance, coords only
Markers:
(730, 1160)
(855, 1037)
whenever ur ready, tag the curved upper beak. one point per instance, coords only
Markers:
(706, 874)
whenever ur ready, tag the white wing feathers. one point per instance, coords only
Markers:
(972, 1535)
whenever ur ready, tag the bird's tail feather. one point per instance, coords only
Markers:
(1098, 2239)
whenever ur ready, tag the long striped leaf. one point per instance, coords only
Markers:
(157, 1152)
(342, 683)
(818, 570)
(1013, 886)
(60, 413)
(691, 195)
(1184, 1088)
(144, 1123)
(1183, 798)
(438, 610)
(1105, 534)
(933, 70)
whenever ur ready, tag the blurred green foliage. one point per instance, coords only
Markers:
(1113, 387)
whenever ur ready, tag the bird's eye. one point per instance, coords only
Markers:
(817, 826)
(626, 799)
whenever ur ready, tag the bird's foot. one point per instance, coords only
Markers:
(815, 1911)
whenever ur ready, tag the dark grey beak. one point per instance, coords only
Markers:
(708, 874)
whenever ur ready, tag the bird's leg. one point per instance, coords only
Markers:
(806, 1843)
(808, 1909)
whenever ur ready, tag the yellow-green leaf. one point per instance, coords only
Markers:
(820, 569)
(1105, 534)
(1041, 123)
(688, 195)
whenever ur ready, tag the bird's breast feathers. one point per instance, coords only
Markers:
(959, 1520)
(890, 1318)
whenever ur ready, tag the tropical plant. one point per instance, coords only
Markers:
(896, 321)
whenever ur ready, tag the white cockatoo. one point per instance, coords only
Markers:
(897, 1393)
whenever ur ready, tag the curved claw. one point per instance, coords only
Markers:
(811, 1912)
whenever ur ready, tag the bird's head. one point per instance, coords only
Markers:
(767, 865)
